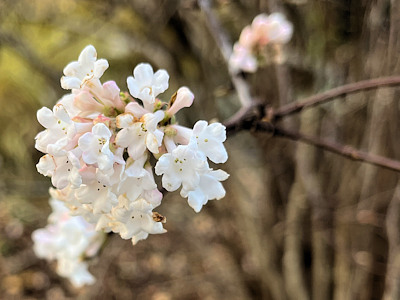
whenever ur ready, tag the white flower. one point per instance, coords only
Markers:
(272, 29)
(95, 147)
(145, 85)
(134, 220)
(209, 188)
(86, 69)
(141, 134)
(67, 239)
(59, 130)
(242, 59)
(210, 140)
(76, 271)
(62, 169)
(99, 195)
(136, 180)
(183, 166)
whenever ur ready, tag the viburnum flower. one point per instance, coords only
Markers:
(147, 85)
(101, 148)
(86, 69)
(63, 170)
(265, 31)
(96, 148)
(137, 135)
(59, 130)
(209, 188)
(134, 220)
(183, 166)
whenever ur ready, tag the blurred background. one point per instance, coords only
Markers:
(297, 222)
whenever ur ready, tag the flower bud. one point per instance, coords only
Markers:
(183, 98)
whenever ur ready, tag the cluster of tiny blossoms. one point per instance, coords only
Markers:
(255, 39)
(69, 240)
(98, 142)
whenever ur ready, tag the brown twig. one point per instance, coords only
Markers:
(343, 150)
(335, 93)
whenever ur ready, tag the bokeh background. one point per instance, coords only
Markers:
(297, 222)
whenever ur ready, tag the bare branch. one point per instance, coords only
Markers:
(343, 150)
(335, 93)
(225, 48)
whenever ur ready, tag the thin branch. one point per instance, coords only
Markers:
(335, 93)
(225, 48)
(248, 122)
(343, 150)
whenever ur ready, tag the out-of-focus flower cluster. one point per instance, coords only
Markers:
(68, 240)
(260, 42)
(98, 142)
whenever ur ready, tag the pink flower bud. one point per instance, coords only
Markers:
(184, 98)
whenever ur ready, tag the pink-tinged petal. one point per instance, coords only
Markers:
(247, 37)
(86, 103)
(46, 165)
(111, 91)
(46, 118)
(69, 83)
(137, 110)
(99, 67)
(88, 174)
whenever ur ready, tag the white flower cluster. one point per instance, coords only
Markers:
(98, 142)
(264, 30)
(68, 240)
